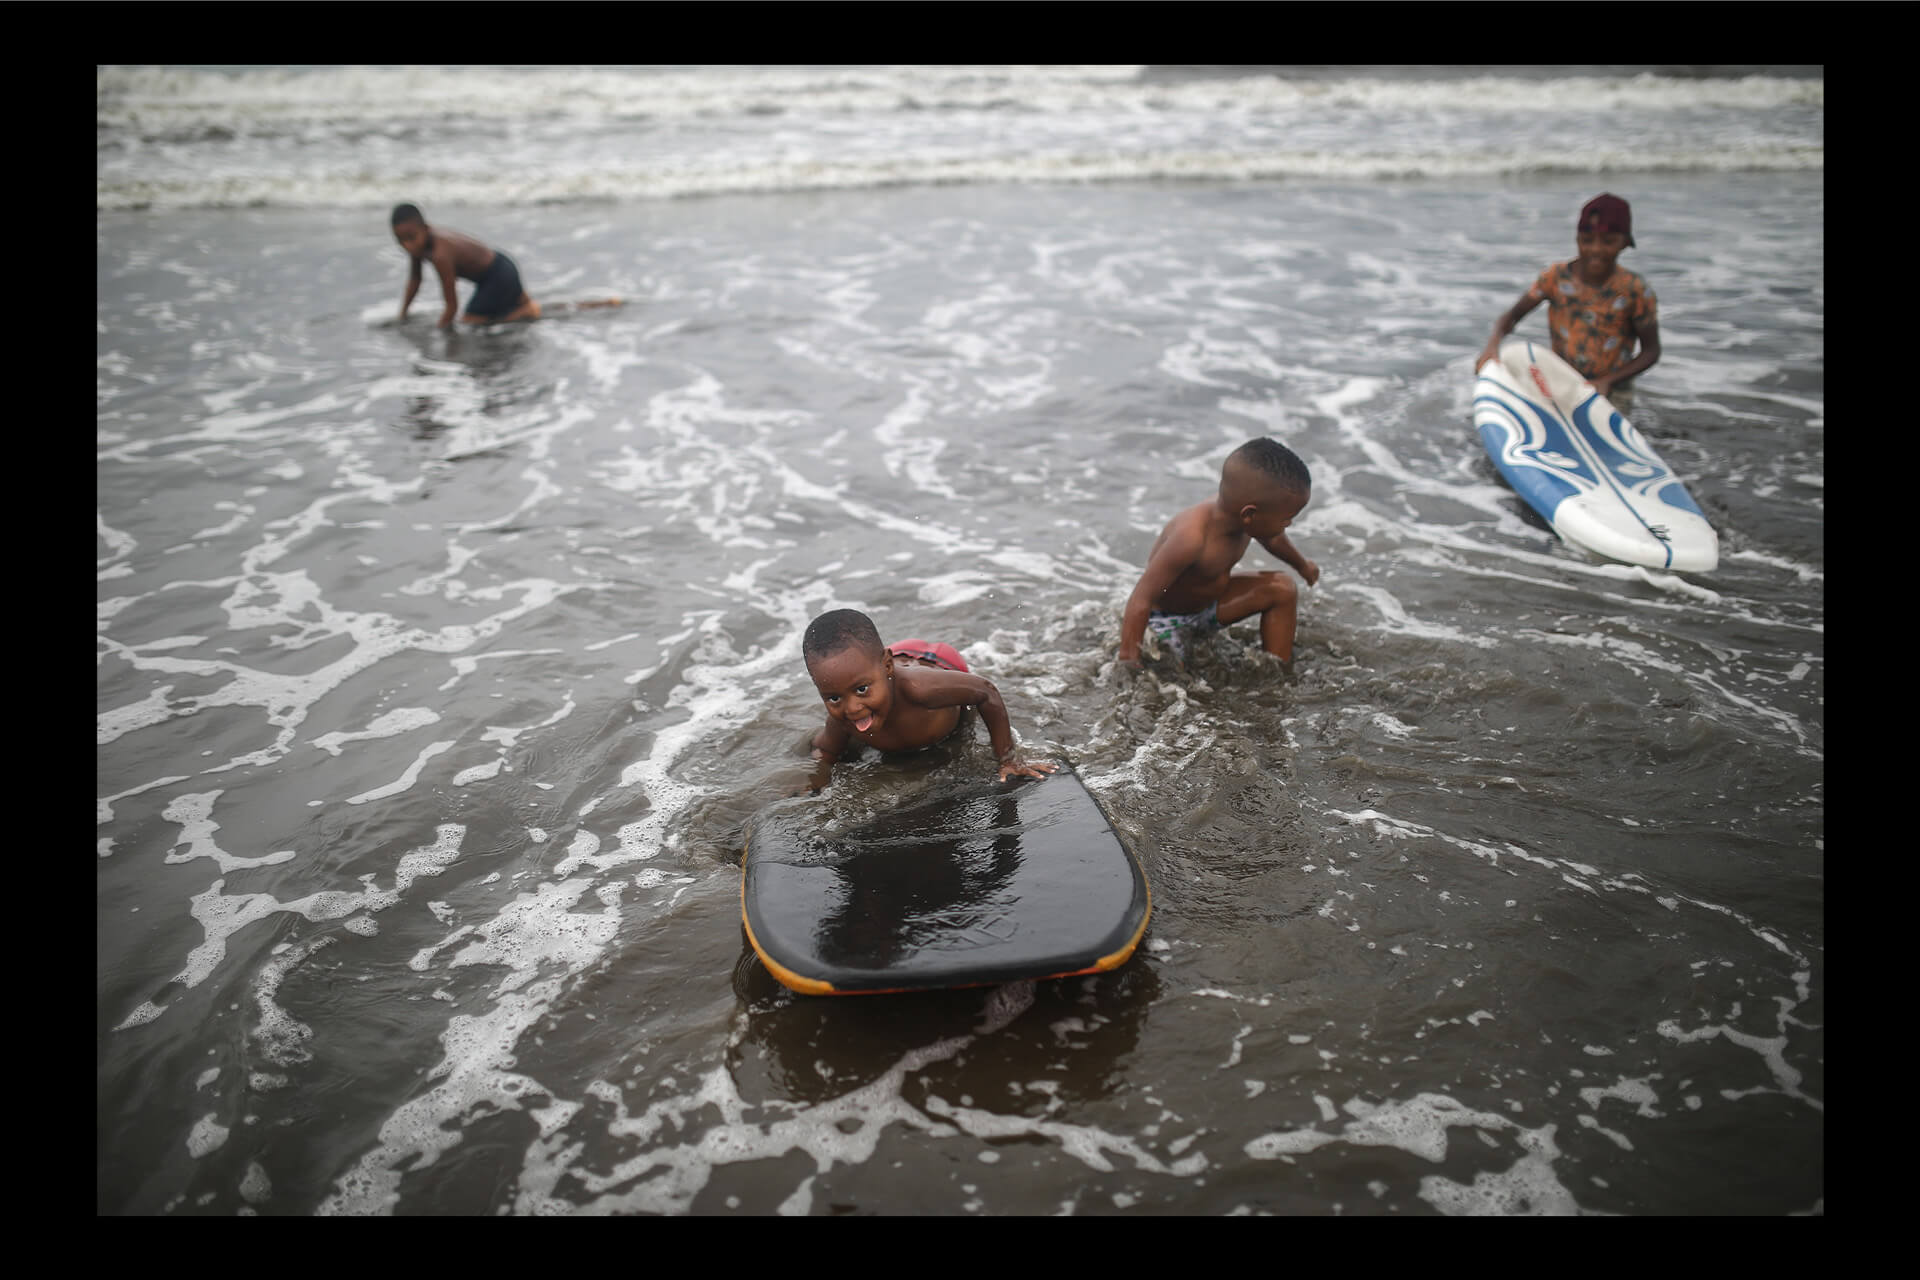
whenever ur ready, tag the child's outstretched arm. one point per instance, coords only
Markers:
(993, 710)
(443, 263)
(413, 286)
(1509, 319)
(939, 688)
(1283, 550)
(1178, 548)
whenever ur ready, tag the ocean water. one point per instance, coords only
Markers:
(438, 673)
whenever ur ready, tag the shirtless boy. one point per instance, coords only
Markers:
(902, 698)
(497, 295)
(1597, 310)
(1188, 588)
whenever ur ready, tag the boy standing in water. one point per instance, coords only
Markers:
(1596, 308)
(497, 296)
(902, 698)
(1188, 589)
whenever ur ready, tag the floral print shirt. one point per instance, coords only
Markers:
(1593, 326)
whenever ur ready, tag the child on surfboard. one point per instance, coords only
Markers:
(1188, 589)
(1596, 309)
(497, 296)
(901, 697)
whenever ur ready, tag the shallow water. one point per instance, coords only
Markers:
(438, 675)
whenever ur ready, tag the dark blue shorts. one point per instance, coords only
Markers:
(498, 289)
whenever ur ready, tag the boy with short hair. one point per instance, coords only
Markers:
(902, 698)
(1596, 309)
(497, 295)
(1188, 589)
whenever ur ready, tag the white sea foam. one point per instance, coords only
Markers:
(1419, 1126)
(255, 1186)
(1092, 1146)
(1637, 1093)
(206, 1137)
(178, 96)
(194, 814)
(118, 543)
(479, 773)
(221, 915)
(282, 1038)
(1395, 619)
(172, 137)
(400, 720)
(104, 809)
(266, 600)
(406, 779)
(587, 183)
(733, 469)
(1770, 1049)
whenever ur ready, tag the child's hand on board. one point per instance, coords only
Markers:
(1014, 766)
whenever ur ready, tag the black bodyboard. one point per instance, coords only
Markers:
(987, 884)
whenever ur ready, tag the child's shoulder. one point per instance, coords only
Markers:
(1191, 519)
(1553, 279)
(913, 677)
(1627, 280)
(1563, 278)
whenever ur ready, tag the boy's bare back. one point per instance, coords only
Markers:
(457, 252)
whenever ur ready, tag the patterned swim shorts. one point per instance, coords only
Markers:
(1173, 630)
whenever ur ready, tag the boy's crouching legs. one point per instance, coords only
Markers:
(1275, 596)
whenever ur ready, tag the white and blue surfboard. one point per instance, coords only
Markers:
(1583, 467)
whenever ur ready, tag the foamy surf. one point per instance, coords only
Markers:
(183, 138)
(1519, 867)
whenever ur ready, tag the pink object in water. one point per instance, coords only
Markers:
(940, 654)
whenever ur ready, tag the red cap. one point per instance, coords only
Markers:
(1606, 213)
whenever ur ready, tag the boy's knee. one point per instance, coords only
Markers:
(1280, 589)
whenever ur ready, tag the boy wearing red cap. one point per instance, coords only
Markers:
(1597, 310)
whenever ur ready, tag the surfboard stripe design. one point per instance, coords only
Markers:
(1585, 468)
